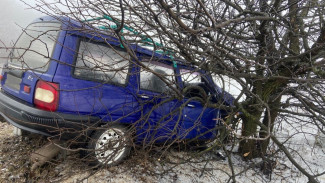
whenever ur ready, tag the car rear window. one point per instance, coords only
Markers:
(34, 48)
(101, 62)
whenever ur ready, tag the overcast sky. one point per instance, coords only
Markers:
(14, 15)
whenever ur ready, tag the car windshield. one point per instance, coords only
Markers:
(34, 48)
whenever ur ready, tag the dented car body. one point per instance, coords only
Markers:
(61, 80)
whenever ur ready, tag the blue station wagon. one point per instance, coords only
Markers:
(66, 80)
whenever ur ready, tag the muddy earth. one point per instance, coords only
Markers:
(15, 163)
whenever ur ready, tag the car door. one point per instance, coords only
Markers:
(199, 121)
(159, 118)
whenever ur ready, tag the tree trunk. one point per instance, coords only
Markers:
(247, 147)
(252, 115)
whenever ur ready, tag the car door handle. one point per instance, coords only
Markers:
(190, 105)
(144, 96)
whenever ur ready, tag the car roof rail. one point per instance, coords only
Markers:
(144, 39)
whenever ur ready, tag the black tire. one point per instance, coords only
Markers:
(2, 119)
(108, 146)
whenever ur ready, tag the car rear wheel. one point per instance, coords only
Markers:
(108, 146)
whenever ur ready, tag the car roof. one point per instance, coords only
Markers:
(71, 23)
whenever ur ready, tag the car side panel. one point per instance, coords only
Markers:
(110, 102)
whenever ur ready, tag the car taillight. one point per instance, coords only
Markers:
(46, 95)
(1, 77)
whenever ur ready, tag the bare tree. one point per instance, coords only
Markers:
(273, 50)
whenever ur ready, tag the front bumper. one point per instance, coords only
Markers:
(47, 123)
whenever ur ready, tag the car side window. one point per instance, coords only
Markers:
(151, 81)
(101, 62)
(193, 83)
(189, 76)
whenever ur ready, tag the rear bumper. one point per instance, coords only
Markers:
(47, 123)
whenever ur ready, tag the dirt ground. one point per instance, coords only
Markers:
(15, 162)
(67, 167)
(14, 155)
